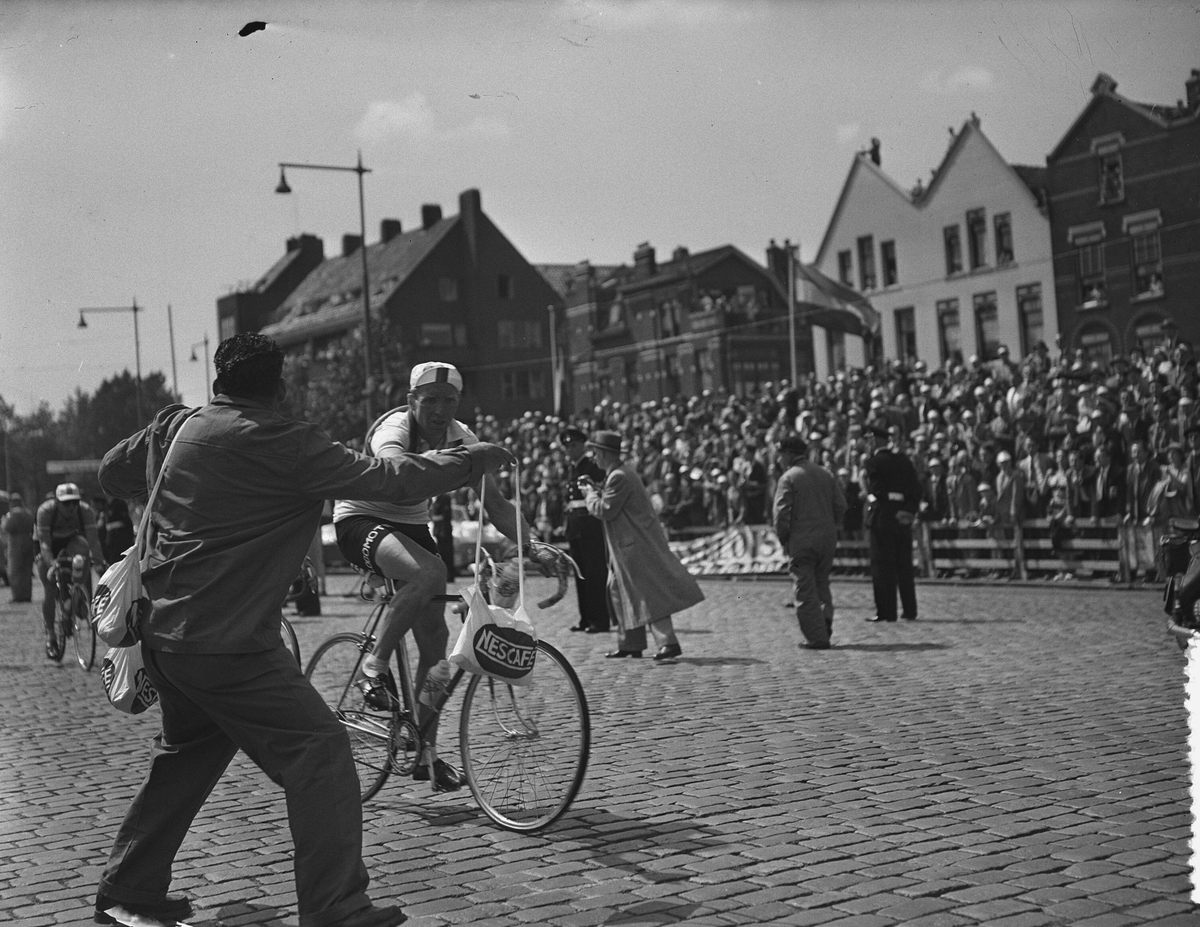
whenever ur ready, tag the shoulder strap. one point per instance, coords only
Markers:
(144, 524)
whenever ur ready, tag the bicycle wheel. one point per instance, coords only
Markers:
(82, 631)
(62, 622)
(290, 641)
(525, 748)
(332, 671)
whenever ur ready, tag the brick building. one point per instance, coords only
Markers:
(1124, 188)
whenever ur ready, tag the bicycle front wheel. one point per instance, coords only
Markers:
(290, 641)
(82, 631)
(525, 748)
(62, 626)
(332, 671)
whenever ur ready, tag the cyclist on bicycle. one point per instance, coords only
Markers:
(66, 525)
(395, 541)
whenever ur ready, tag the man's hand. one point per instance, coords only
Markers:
(491, 457)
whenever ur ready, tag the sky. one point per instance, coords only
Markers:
(140, 141)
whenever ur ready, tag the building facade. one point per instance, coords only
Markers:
(1124, 188)
(713, 320)
(454, 289)
(957, 268)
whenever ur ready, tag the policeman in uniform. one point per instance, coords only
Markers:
(585, 536)
(893, 498)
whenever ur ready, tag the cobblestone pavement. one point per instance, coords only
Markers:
(1015, 757)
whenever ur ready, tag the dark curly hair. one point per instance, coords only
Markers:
(249, 364)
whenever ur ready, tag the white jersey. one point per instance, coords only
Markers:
(398, 429)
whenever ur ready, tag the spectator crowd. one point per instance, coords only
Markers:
(996, 443)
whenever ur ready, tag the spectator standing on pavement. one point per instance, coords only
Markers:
(808, 508)
(647, 584)
(239, 504)
(1137, 532)
(893, 495)
(585, 536)
(17, 526)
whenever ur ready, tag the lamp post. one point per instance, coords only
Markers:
(791, 277)
(366, 283)
(207, 377)
(171, 332)
(137, 342)
(553, 360)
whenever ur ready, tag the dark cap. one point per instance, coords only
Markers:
(572, 436)
(879, 431)
(607, 441)
(793, 444)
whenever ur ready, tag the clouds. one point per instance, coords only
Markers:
(967, 78)
(414, 119)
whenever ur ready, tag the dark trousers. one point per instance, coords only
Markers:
(212, 706)
(592, 588)
(891, 546)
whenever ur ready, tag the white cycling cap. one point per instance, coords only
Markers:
(435, 372)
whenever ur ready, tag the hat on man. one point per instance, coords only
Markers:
(572, 435)
(879, 431)
(606, 441)
(435, 372)
(793, 444)
(67, 492)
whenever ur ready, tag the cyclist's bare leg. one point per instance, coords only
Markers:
(420, 576)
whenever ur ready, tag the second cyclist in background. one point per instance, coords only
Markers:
(395, 541)
(65, 525)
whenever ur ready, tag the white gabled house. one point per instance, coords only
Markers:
(957, 268)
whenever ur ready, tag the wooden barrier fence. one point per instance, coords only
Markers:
(1088, 550)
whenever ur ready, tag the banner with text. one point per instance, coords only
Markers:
(744, 549)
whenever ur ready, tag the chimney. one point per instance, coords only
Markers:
(470, 212)
(389, 229)
(644, 264)
(777, 260)
(1103, 84)
(431, 215)
(1193, 90)
(875, 155)
(307, 244)
(350, 244)
(680, 254)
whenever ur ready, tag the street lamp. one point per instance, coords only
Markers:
(137, 342)
(792, 257)
(207, 377)
(553, 360)
(366, 283)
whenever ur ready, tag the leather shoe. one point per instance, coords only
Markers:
(809, 645)
(909, 617)
(596, 630)
(579, 627)
(668, 652)
(446, 777)
(617, 654)
(877, 618)
(171, 908)
(375, 917)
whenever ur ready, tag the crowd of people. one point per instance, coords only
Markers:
(995, 443)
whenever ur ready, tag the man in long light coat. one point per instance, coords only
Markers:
(647, 584)
(809, 506)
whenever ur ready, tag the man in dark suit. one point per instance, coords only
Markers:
(585, 537)
(893, 497)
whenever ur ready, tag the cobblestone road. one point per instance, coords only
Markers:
(1015, 757)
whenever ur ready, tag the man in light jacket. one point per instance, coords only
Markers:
(809, 506)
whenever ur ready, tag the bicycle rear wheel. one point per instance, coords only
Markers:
(332, 671)
(82, 631)
(525, 748)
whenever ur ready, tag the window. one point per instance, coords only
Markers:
(836, 341)
(1112, 179)
(702, 368)
(504, 286)
(987, 325)
(845, 268)
(518, 333)
(1004, 243)
(436, 335)
(977, 238)
(866, 263)
(447, 289)
(1148, 335)
(1029, 311)
(953, 243)
(1096, 342)
(906, 334)
(887, 251)
(1092, 293)
(949, 331)
(1147, 262)
(523, 384)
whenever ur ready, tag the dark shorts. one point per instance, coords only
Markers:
(359, 536)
